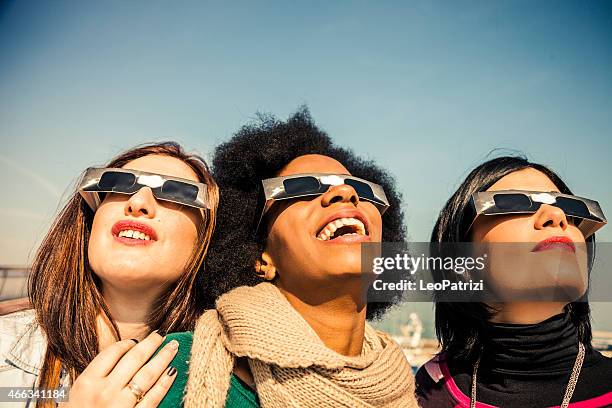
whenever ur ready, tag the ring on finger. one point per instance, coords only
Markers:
(136, 390)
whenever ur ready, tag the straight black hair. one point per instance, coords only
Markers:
(459, 325)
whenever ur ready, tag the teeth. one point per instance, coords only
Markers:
(134, 235)
(334, 225)
(328, 232)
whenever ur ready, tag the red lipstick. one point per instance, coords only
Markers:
(134, 226)
(557, 242)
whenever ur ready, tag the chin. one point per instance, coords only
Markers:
(571, 293)
(135, 276)
(540, 291)
(348, 264)
(347, 270)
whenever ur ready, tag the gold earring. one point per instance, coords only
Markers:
(264, 271)
(265, 268)
(268, 272)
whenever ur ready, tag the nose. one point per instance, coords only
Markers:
(141, 204)
(340, 194)
(548, 216)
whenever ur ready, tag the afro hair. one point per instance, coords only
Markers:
(259, 151)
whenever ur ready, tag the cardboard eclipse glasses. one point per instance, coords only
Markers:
(588, 213)
(177, 190)
(98, 180)
(315, 184)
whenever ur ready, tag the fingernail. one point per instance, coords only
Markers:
(135, 340)
(173, 345)
(171, 371)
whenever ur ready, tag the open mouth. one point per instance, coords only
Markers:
(342, 227)
(134, 235)
(131, 232)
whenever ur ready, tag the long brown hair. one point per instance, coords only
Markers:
(66, 293)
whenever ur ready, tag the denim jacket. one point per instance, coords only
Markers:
(22, 352)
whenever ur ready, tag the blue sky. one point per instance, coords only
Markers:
(427, 88)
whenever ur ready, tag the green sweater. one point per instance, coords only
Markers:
(238, 396)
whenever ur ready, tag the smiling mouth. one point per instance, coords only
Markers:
(342, 227)
(133, 233)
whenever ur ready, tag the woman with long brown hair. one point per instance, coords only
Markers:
(121, 263)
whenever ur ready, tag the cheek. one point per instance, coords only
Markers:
(502, 229)
(289, 243)
(376, 225)
(181, 232)
(290, 226)
(282, 242)
(575, 234)
(101, 238)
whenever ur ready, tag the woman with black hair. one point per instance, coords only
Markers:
(289, 328)
(528, 352)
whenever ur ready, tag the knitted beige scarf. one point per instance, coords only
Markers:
(290, 364)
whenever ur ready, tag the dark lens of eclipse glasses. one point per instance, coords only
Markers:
(175, 190)
(512, 202)
(362, 189)
(573, 207)
(114, 180)
(301, 185)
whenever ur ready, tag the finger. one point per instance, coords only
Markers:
(133, 360)
(150, 372)
(157, 393)
(107, 359)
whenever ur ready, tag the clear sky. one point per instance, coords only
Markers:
(426, 88)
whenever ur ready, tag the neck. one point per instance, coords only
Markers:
(526, 349)
(129, 310)
(338, 321)
(526, 312)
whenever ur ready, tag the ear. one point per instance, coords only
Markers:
(264, 267)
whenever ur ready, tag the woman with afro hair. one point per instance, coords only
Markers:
(289, 325)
